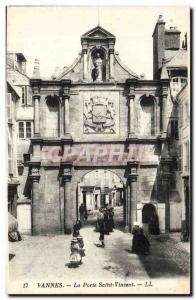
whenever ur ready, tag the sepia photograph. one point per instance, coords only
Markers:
(98, 143)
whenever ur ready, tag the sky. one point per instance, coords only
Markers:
(52, 34)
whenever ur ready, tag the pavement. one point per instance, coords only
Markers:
(38, 257)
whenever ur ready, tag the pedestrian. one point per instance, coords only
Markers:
(81, 247)
(82, 211)
(75, 257)
(111, 219)
(140, 243)
(154, 224)
(76, 229)
(101, 224)
(106, 220)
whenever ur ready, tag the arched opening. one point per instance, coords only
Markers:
(150, 219)
(52, 116)
(100, 188)
(98, 65)
(148, 116)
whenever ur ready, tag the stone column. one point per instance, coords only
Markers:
(131, 116)
(166, 177)
(185, 210)
(66, 177)
(111, 53)
(36, 115)
(66, 114)
(85, 67)
(132, 193)
(164, 115)
(35, 176)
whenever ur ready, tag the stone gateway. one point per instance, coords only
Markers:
(99, 115)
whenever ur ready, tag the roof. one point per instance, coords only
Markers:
(21, 57)
(13, 89)
(98, 32)
(176, 58)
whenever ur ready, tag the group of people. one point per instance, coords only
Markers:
(105, 222)
(105, 225)
(77, 247)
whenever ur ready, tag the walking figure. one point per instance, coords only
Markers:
(75, 257)
(81, 247)
(76, 229)
(101, 224)
(83, 213)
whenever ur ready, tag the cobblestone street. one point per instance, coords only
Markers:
(46, 258)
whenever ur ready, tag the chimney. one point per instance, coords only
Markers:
(36, 72)
(158, 46)
(172, 39)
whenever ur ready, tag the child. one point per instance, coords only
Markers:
(81, 247)
(75, 257)
(76, 229)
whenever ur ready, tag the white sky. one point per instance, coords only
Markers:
(52, 34)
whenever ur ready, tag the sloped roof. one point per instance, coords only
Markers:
(13, 88)
(99, 33)
(177, 58)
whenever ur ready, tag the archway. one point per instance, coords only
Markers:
(100, 188)
(150, 219)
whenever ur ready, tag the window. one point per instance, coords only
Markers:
(24, 95)
(177, 83)
(174, 129)
(25, 129)
(9, 106)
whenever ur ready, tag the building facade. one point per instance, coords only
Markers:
(184, 158)
(12, 171)
(24, 118)
(99, 115)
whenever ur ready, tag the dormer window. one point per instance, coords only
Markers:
(177, 83)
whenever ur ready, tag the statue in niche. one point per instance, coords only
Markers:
(97, 72)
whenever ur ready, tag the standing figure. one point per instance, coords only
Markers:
(75, 257)
(111, 219)
(83, 213)
(140, 243)
(101, 224)
(81, 247)
(76, 229)
(97, 72)
(106, 220)
(154, 224)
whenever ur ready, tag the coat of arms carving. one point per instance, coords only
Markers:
(99, 115)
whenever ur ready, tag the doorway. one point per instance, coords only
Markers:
(100, 188)
(150, 219)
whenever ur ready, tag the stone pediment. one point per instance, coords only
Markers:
(97, 33)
